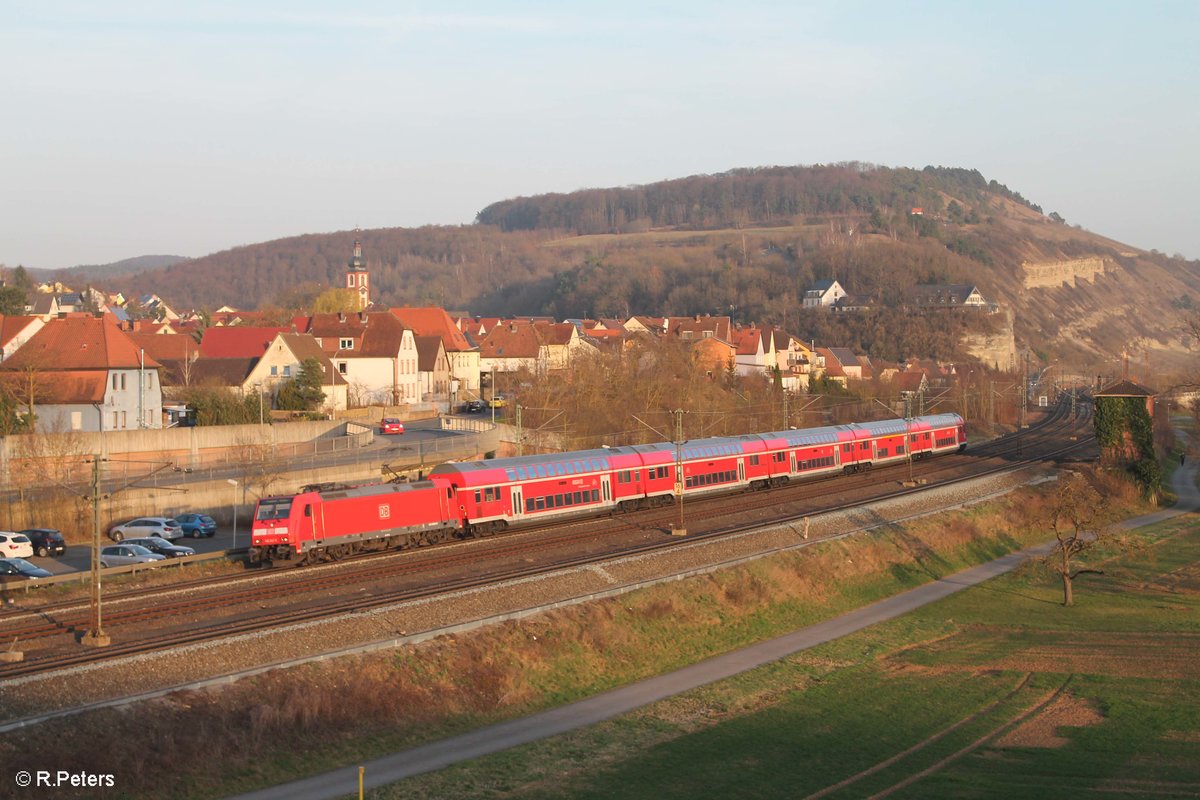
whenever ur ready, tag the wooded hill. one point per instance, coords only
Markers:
(745, 243)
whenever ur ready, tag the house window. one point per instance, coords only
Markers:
(345, 344)
(76, 420)
(274, 370)
(342, 367)
(115, 420)
(124, 419)
(116, 383)
(122, 380)
(287, 371)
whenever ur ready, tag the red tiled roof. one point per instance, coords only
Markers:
(428, 348)
(433, 321)
(237, 341)
(510, 341)
(376, 334)
(79, 343)
(12, 326)
(69, 387)
(163, 347)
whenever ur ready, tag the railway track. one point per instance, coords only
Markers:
(809, 498)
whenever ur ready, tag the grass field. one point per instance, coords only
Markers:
(998, 691)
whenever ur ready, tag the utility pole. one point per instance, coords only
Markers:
(1024, 388)
(908, 435)
(95, 636)
(520, 436)
(679, 530)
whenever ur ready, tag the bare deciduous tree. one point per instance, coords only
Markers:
(1075, 512)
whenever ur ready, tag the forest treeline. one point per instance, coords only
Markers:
(494, 267)
(746, 197)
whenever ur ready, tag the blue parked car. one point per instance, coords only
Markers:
(195, 525)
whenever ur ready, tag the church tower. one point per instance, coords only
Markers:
(357, 277)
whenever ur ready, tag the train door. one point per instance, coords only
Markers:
(792, 456)
(606, 491)
(741, 470)
(518, 507)
(306, 528)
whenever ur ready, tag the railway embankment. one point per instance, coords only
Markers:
(435, 666)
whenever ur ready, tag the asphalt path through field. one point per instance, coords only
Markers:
(495, 738)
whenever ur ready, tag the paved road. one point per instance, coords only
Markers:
(495, 738)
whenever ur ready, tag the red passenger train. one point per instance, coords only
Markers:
(475, 498)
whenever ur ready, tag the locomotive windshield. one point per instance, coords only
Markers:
(273, 509)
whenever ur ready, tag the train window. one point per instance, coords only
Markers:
(478, 496)
(578, 498)
(307, 510)
(595, 495)
(847, 447)
(273, 509)
(754, 461)
(541, 504)
(529, 504)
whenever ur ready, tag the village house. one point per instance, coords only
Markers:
(948, 295)
(84, 374)
(374, 352)
(823, 294)
(460, 349)
(433, 369)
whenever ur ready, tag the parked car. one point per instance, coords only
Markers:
(46, 541)
(162, 547)
(20, 568)
(163, 527)
(197, 525)
(120, 555)
(499, 401)
(475, 406)
(15, 545)
(391, 425)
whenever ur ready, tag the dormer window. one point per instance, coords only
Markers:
(345, 344)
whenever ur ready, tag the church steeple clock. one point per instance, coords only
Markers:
(357, 277)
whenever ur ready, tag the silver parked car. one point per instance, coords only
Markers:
(162, 527)
(120, 555)
(161, 546)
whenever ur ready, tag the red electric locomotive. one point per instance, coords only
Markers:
(333, 523)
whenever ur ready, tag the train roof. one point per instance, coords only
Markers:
(600, 459)
(596, 459)
(375, 489)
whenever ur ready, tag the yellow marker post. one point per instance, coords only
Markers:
(361, 770)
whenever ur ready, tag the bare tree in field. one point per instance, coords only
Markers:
(1074, 512)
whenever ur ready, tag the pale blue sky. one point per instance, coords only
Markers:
(132, 128)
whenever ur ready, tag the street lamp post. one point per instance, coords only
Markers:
(234, 484)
